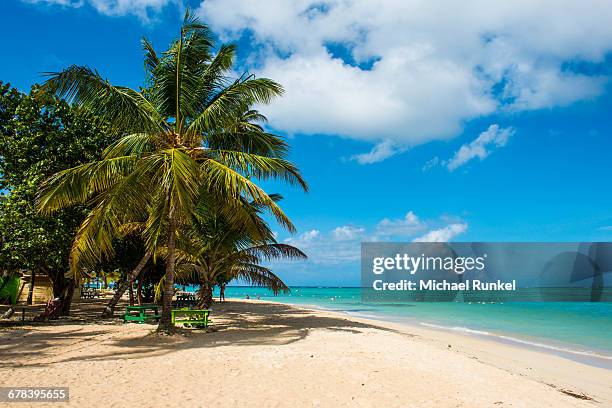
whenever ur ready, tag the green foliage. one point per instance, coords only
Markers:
(9, 288)
(40, 135)
(190, 132)
(217, 249)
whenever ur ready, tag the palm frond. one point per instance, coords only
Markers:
(248, 141)
(125, 109)
(218, 176)
(126, 201)
(230, 102)
(261, 167)
(77, 185)
(275, 251)
(182, 177)
(151, 59)
(257, 275)
(136, 144)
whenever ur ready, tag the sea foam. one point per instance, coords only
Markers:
(517, 340)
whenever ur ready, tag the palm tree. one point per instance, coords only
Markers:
(217, 249)
(185, 135)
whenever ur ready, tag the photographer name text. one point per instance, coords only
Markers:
(440, 285)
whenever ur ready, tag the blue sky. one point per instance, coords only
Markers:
(409, 121)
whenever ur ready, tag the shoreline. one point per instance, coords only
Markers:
(316, 357)
(571, 351)
(530, 361)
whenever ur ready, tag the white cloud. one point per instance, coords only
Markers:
(304, 238)
(342, 244)
(347, 233)
(443, 234)
(65, 3)
(143, 9)
(480, 147)
(379, 152)
(414, 71)
(408, 225)
(339, 246)
(430, 164)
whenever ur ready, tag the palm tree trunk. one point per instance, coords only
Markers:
(131, 292)
(165, 323)
(109, 310)
(66, 297)
(31, 288)
(139, 292)
(205, 295)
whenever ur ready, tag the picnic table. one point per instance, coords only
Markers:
(191, 318)
(185, 300)
(87, 293)
(26, 308)
(139, 313)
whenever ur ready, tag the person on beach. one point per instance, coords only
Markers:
(222, 293)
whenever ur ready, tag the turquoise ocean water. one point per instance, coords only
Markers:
(575, 328)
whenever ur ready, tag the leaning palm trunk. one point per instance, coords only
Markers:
(109, 310)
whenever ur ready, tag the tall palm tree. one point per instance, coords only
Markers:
(185, 135)
(218, 249)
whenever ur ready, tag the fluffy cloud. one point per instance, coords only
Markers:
(347, 233)
(480, 147)
(405, 72)
(339, 246)
(406, 226)
(444, 234)
(143, 9)
(65, 3)
(305, 238)
(379, 152)
(342, 244)
(430, 164)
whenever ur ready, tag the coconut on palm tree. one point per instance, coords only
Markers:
(185, 135)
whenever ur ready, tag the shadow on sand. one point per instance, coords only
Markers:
(234, 323)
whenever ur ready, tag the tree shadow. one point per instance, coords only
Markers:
(234, 323)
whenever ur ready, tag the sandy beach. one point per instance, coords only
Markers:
(265, 354)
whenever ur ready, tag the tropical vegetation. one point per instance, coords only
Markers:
(190, 144)
(39, 136)
(217, 250)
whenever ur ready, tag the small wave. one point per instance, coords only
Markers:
(517, 340)
(362, 315)
(457, 329)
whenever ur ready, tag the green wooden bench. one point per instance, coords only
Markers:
(191, 318)
(139, 313)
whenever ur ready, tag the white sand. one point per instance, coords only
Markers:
(274, 355)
